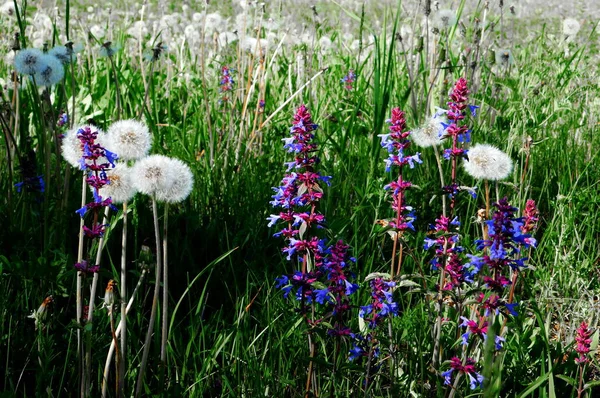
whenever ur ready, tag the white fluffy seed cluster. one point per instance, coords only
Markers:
(167, 179)
(486, 162)
(571, 27)
(71, 147)
(181, 185)
(120, 188)
(130, 139)
(444, 19)
(431, 133)
(46, 69)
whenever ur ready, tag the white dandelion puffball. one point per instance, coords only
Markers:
(8, 8)
(183, 181)
(431, 133)
(444, 19)
(571, 27)
(52, 73)
(64, 54)
(120, 189)
(504, 57)
(131, 139)
(487, 162)
(29, 61)
(71, 145)
(152, 174)
(226, 38)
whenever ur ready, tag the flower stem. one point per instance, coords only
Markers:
(165, 304)
(123, 291)
(140, 380)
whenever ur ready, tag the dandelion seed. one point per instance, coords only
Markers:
(72, 149)
(156, 52)
(432, 132)
(504, 58)
(51, 73)
(182, 183)
(109, 49)
(325, 44)
(444, 19)
(29, 61)
(97, 31)
(130, 137)
(571, 27)
(226, 38)
(120, 187)
(487, 162)
(152, 174)
(8, 8)
(65, 54)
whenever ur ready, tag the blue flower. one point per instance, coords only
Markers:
(473, 109)
(322, 295)
(475, 381)
(273, 220)
(447, 375)
(111, 157)
(82, 211)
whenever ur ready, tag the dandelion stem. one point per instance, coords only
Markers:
(123, 291)
(140, 380)
(165, 304)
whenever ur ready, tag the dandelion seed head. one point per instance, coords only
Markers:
(325, 44)
(226, 38)
(197, 16)
(9, 58)
(29, 61)
(120, 189)
(52, 72)
(138, 30)
(109, 49)
(130, 138)
(71, 145)
(486, 162)
(431, 133)
(444, 19)
(213, 23)
(8, 8)
(97, 31)
(571, 27)
(64, 54)
(152, 174)
(504, 57)
(183, 181)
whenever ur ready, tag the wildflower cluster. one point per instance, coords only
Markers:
(95, 160)
(226, 83)
(468, 368)
(348, 80)
(323, 276)
(458, 132)
(584, 341)
(502, 251)
(501, 255)
(449, 255)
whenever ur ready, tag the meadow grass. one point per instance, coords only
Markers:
(232, 333)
